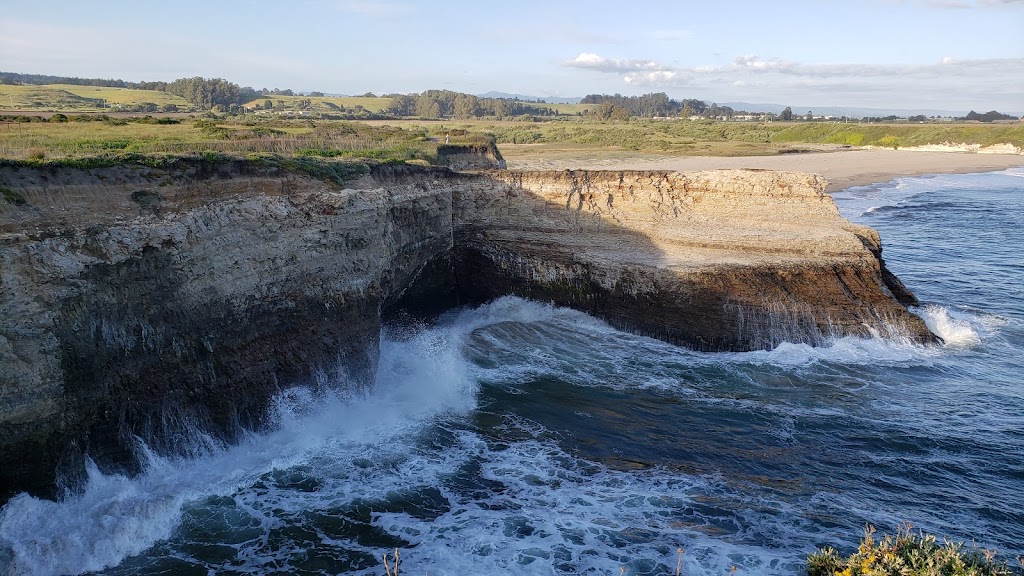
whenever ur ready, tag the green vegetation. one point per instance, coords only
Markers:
(207, 163)
(423, 141)
(44, 98)
(653, 105)
(906, 554)
(902, 135)
(447, 104)
(12, 197)
(990, 116)
(322, 104)
(300, 145)
(73, 98)
(123, 96)
(707, 137)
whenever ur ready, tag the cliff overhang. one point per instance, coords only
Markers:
(137, 296)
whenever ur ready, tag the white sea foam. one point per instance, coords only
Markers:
(557, 513)
(555, 510)
(857, 201)
(958, 328)
(117, 517)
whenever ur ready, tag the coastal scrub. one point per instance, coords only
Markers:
(906, 554)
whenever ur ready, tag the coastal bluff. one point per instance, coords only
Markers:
(138, 299)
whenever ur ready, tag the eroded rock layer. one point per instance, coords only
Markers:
(136, 299)
(717, 260)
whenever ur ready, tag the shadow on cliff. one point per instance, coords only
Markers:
(137, 359)
(569, 247)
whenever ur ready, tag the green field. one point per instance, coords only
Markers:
(903, 135)
(418, 140)
(325, 104)
(329, 104)
(71, 98)
(707, 137)
(82, 137)
(566, 109)
(124, 95)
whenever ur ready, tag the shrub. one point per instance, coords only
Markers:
(906, 554)
(893, 142)
(12, 197)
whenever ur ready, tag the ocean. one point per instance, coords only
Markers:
(522, 438)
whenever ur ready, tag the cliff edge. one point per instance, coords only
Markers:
(134, 299)
(714, 260)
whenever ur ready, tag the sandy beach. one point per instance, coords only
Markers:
(842, 168)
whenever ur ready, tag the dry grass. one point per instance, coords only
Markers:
(326, 104)
(68, 97)
(57, 141)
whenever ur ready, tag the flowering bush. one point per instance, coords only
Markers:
(906, 554)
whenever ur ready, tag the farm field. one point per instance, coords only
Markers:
(100, 137)
(68, 97)
(325, 104)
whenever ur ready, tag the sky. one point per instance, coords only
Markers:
(938, 54)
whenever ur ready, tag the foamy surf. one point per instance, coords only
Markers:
(958, 329)
(524, 438)
(859, 201)
(420, 378)
(117, 517)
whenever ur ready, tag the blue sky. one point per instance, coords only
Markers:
(948, 54)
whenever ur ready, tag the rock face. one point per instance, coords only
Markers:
(717, 260)
(134, 299)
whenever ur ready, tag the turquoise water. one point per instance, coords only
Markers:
(519, 438)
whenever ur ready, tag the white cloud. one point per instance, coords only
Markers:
(752, 64)
(657, 79)
(590, 61)
(951, 82)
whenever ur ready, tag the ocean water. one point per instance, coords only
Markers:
(520, 438)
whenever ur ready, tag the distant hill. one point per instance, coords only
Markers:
(525, 97)
(848, 111)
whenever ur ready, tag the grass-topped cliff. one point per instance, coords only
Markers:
(102, 139)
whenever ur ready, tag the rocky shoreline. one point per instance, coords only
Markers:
(135, 299)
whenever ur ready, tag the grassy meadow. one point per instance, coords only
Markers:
(72, 98)
(710, 138)
(329, 104)
(418, 140)
(113, 137)
(325, 104)
(903, 135)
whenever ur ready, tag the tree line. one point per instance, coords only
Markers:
(989, 116)
(38, 79)
(449, 104)
(203, 93)
(655, 104)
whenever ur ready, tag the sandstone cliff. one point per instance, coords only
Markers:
(135, 298)
(717, 260)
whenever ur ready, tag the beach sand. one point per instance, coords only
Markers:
(842, 169)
